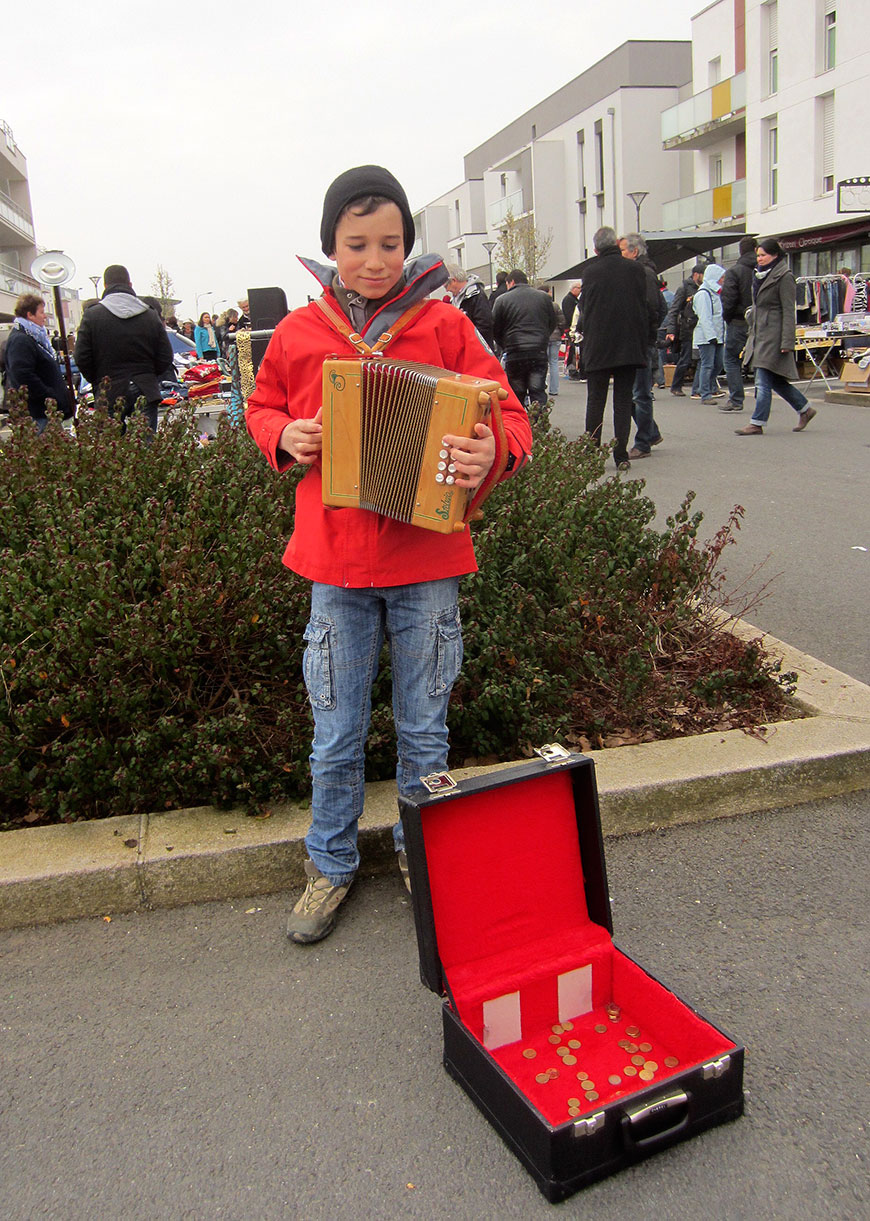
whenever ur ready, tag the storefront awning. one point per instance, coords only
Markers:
(668, 248)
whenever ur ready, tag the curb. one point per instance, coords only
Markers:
(136, 862)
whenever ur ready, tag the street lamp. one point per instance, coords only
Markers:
(489, 247)
(95, 280)
(637, 198)
(208, 293)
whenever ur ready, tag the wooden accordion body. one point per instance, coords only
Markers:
(383, 423)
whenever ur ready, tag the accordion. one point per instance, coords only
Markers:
(383, 424)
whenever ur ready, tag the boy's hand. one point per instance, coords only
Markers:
(303, 439)
(472, 456)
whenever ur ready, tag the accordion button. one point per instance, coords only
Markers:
(450, 479)
(439, 478)
(452, 469)
(442, 453)
(442, 466)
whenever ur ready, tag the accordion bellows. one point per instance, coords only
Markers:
(383, 425)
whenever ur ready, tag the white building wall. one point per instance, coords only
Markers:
(713, 44)
(795, 111)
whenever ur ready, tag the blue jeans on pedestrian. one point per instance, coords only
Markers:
(344, 638)
(765, 383)
(735, 342)
(682, 366)
(647, 433)
(553, 361)
(710, 367)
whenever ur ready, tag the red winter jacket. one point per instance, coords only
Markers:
(355, 547)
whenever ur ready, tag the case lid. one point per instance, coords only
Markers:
(506, 871)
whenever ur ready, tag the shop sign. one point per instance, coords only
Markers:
(823, 237)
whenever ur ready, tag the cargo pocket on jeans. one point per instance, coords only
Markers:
(317, 665)
(447, 652)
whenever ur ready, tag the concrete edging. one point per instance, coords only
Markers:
(167, 859)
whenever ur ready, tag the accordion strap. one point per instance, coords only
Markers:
(339, 323)
(499, 466)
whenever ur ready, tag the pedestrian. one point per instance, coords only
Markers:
(680, 323)
(771, 341)
(736, 299)
(659, 370)
(615, 322)
(500, 287)
(121, 338)
(710, 332)
(522, 322)
(553, 348)
(633, 247)
(31, 362)
(373, 577)
(205, 338)
(467, 293)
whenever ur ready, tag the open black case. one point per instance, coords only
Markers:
(580, 1059)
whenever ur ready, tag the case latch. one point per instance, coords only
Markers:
(589, 1124)
(553, 752)
(438, 783)
(716, 1068)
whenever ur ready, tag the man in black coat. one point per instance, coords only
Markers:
(633, 247)
(31, 363)
(123, 339)
(736, 298)
(615, 320)
(678, 330)
(469, 296)
(522, 320)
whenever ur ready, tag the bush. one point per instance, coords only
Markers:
(151, 637)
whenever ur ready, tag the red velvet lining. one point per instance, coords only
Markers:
(510, 915)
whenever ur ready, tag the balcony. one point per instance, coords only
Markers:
(17, 282)
(509, 203)
(15, 217)
(706, 117)
(707, 209)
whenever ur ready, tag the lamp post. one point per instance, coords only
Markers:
(95, 280)
(208, 293)
(489, 247)
(637, 198)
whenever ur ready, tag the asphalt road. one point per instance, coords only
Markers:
(192, 1064)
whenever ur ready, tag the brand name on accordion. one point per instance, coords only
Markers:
(443, 510)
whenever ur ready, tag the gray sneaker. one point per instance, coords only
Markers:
(313, 917)
(731, 406)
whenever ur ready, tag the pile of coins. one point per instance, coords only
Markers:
(635, 1052)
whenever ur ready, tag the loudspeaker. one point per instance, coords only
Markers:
(266, 307)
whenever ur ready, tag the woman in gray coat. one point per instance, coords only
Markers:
(771, 339)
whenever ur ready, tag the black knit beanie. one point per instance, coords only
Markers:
(355, 184)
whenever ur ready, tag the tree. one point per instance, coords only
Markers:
(162, 287)
(524, 246)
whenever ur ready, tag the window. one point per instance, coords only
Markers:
(599, 156)
(772, 165)
(715, 170)
(714, 71)
(534, 131)
(826, 131)
(772, 48)
(830, 35)
(581, 171)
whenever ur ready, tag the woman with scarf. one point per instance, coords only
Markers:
(771, 339)
(31, 362)
(205, 338)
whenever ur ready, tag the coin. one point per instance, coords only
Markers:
(569, 1059)
(613, 1012)
(645, 1074)
(573, 1102)
(645, 1046)
(632, 1031)
(562, 1051)
(651, 1065)
(557, 1029)
(529, 1053)
(614, 1079)
(601, 1028)
(671, 1061)
(631, 1048)
(575, 1043)
(567, 1025)
(630, 1070)
(552, 1073)
(542, 1078)
(554, 1038)
(591, 1096)
(573, 1112)
(586, 1084)
(637, 1060)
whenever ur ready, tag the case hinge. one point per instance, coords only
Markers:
(716, 1068)
(438, 783)
(589, 1124)
(553, 752)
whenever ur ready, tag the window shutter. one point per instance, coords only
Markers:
(772, 27)
(828, 137)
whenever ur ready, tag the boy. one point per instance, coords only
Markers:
(371, 575)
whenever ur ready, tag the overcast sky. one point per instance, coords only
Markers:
(203, 136)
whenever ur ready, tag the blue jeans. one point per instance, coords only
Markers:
(765, 383)
(344, 638)
(735, 341)
(553, 360)
(647, 433)
(710, 367)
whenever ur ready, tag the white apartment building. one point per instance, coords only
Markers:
(570, 163)
(778, 116)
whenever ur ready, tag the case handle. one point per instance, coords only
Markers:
(652, 1123)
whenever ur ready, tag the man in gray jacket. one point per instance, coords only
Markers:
(123, 339)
